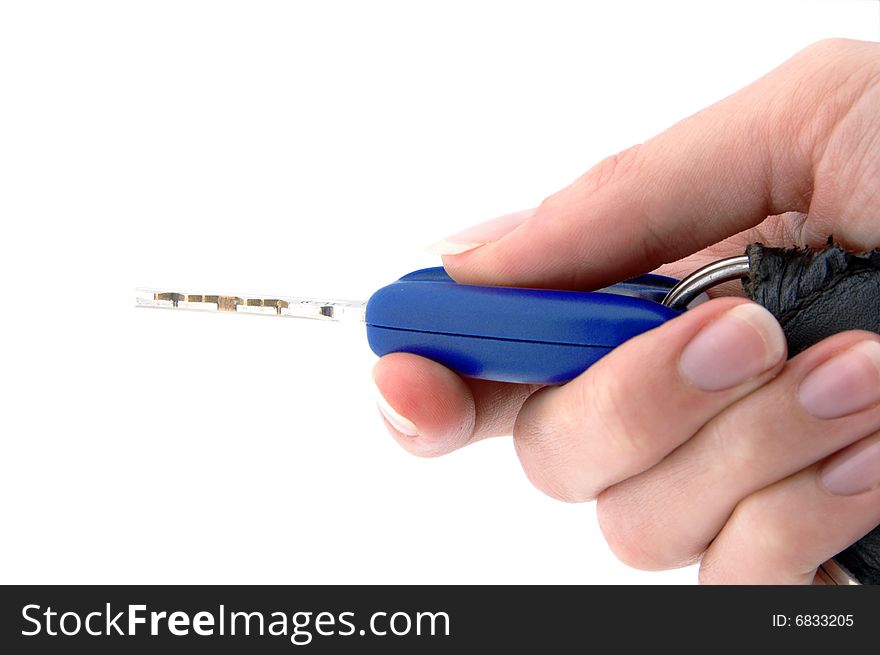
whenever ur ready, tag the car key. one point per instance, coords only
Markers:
(535, 336)
(543, 336)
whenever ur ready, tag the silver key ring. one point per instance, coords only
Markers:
(724, 270)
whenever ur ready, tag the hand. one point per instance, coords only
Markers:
(698, 439)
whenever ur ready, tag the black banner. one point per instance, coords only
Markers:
(334, 619)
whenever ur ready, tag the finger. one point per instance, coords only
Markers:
(431, 411)
(638, 403)
(825, 399)
(784, 229)
(782, 533)
(771, 148)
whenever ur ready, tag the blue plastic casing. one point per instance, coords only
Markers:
(533, 336)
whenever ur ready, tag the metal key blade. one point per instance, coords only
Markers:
(284, 306)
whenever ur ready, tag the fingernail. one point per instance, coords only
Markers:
(847, 383)
(397, 420)
(853, 470)
(480, 234)
(735, 347)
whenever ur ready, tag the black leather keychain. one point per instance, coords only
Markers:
(813, 294)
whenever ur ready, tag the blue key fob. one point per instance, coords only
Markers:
(534, 336)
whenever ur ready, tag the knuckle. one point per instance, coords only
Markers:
(544, 460)
(613, 168)
(548, 481)
(545, 451)
(638, 536)
(751, 523)
(753, 547)
(832, 51)
(625, 535)
(831, 46)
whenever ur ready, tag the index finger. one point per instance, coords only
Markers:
(797, 140)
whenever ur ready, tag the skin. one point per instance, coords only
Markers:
(731, 478)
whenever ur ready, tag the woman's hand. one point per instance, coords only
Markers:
(699, 440)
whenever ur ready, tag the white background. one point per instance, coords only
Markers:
(310, 149)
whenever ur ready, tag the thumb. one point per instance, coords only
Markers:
(719, 172)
